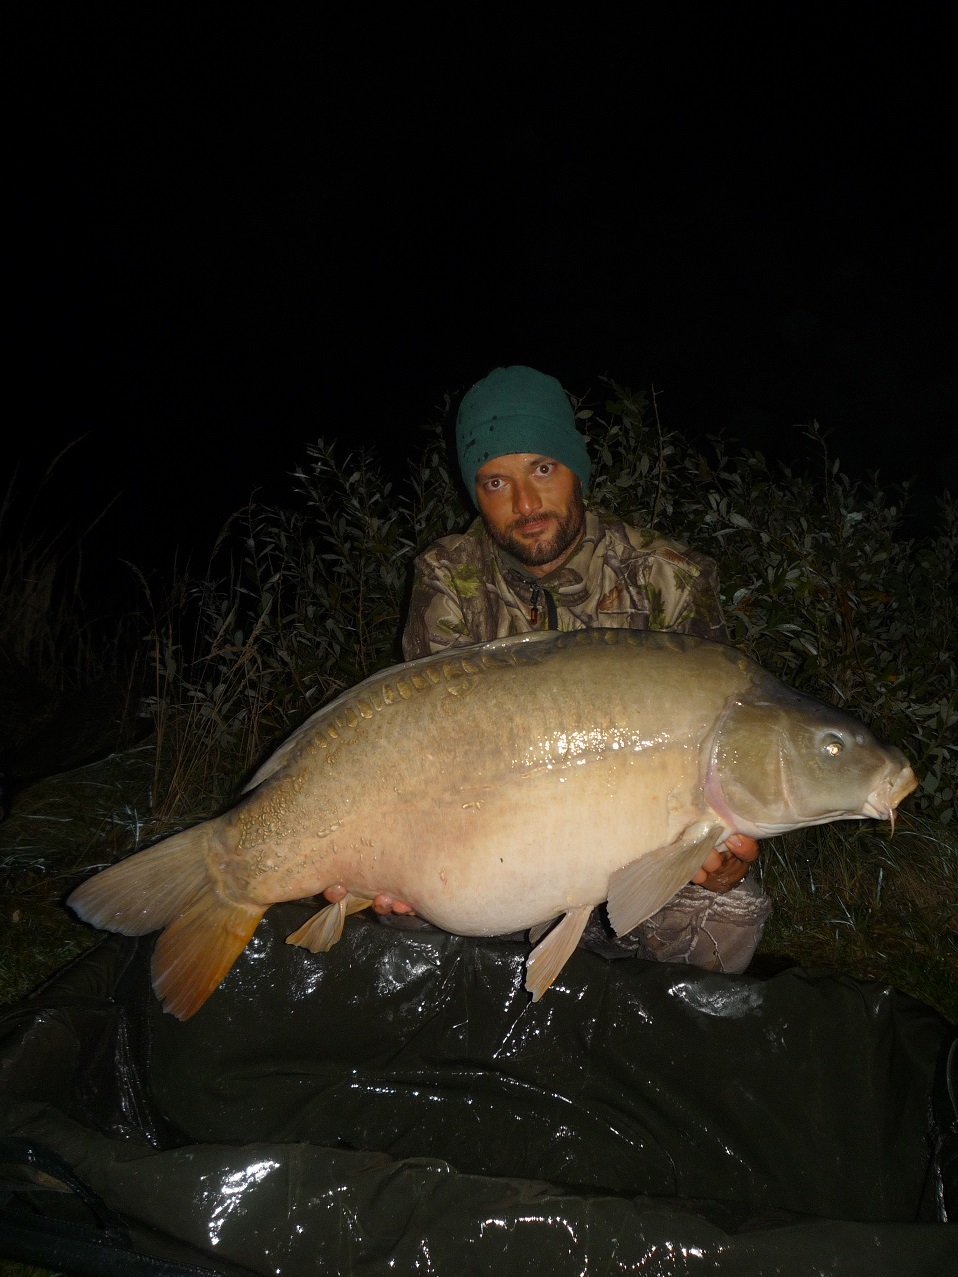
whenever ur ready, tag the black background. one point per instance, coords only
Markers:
(238, 230)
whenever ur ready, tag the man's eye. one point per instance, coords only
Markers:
(545, 468)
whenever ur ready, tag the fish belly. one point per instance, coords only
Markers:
(485, 860)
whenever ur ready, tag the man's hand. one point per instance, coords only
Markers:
(728, 863)
(381, 904)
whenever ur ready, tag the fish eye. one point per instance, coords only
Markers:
(833, 744)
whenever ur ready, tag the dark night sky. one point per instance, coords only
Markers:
(234, 234)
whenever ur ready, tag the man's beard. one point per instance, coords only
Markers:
(538, 552)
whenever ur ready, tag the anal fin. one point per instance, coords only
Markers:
(640, 888)
(319, 933)
(551, 954)
(194, 953)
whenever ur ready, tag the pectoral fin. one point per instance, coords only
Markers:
(320, 932)
(551, 954)
(641, 888)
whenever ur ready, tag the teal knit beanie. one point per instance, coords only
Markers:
(517, 409)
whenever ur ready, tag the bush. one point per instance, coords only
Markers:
(299, 604)
(819, 584)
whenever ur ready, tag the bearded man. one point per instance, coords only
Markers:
(537, 559)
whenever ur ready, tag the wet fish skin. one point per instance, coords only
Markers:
(496, 789)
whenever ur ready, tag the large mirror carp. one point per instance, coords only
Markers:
(503, 787)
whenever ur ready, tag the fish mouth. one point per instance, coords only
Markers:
(882, 801)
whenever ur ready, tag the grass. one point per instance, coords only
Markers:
(58, 829)
(853, 898)
(10, 1269)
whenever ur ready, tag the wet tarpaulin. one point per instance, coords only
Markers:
(401, 1105)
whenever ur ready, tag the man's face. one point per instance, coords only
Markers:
(532, 507)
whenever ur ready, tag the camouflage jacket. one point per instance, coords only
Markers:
(467, 590)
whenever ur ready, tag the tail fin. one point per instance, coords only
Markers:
(169, 886)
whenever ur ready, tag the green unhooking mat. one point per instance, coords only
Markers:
(399, 1105)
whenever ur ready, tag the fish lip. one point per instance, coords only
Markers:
(884, 798)
(877, 807)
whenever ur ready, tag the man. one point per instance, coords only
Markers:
(536, 559)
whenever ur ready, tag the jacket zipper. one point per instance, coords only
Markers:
(552, 616)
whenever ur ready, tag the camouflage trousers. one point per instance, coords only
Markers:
(717, 931)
